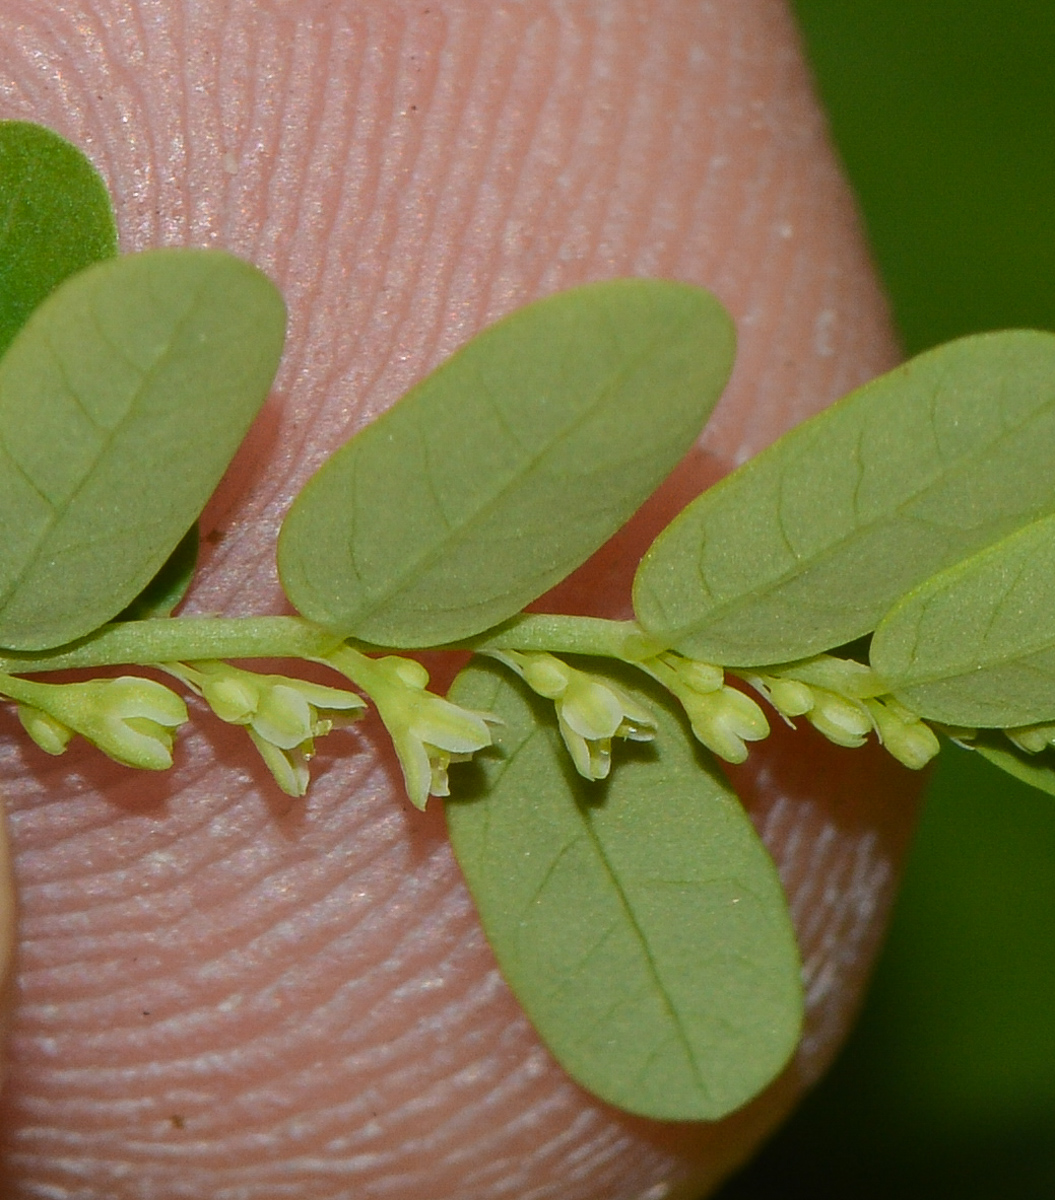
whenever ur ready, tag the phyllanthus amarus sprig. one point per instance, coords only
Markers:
(135, 720)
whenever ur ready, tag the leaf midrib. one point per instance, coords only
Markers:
(423, 564)
(58, 513)
(552, 741)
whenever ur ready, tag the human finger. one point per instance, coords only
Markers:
(222, 993)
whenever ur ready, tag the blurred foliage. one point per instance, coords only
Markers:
(944, 113)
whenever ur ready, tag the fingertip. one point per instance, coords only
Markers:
(8, 925)
(408, 176)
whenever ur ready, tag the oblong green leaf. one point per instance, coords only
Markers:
(975, 645)
(122, 400)
(640, 922)
(1037, 770)
(55, 219)
(806, 546)
(508, 466)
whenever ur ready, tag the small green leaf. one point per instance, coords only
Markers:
(807, 546)
(975, 645)
(55, 219)
(169, 585)
(508, 466)
(1038, 770)
(122, 400)
(640, 922)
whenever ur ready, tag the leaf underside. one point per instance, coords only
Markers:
(975, 645)
(806, 546)
(1037, 770)
(122, 400)
(55, 219)
(640, 922)
(508, 466)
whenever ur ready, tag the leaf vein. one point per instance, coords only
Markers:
(646, 950)
(109, 437)
(423, 564)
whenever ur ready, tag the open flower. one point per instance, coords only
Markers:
(132, 720)
(429, 735)
(591, 710)
(283, 716)
(427, 731)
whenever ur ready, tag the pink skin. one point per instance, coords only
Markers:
(225, 993)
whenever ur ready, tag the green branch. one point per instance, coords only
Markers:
(178, 639)
(187, 639)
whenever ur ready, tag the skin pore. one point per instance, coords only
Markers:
(219, 991)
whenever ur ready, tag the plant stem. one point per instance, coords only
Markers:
(558, 634)
(173, 639)
(183, 639)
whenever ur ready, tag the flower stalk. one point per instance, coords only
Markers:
(283, 716)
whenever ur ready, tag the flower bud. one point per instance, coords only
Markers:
(50, 735)
(545, 675)
(842, 721)
(904, 735)
(790, 697)
(700, 676)
(1032, 738)
(725, 720)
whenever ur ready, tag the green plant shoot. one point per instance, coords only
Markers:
(628, 899)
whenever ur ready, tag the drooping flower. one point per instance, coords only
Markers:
(591, 710)
(427, 731)
(723, 718)
(843, 720)
(132, 720)
(910, 740)
(283, 715)
(1032, 738)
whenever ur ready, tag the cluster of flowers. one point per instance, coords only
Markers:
(845, 701)
(134, 720)
(842, 699)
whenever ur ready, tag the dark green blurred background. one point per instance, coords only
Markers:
(944, 111)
